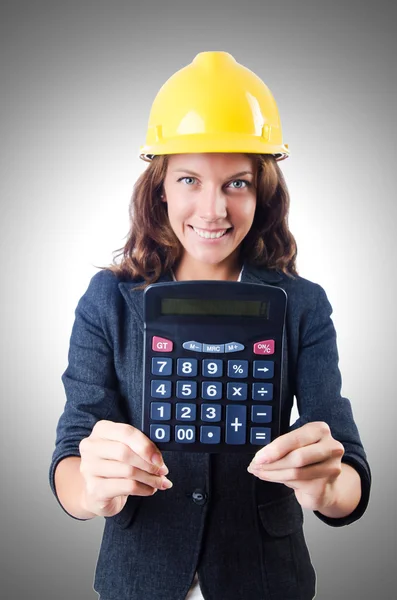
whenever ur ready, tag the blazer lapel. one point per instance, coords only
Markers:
(134, 297)
(253, 274)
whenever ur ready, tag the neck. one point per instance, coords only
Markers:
(207, 272)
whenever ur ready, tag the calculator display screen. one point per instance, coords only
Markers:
(214, 308)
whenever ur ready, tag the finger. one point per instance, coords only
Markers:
(308, 455)
(104, 490)
(281, 446)
(108, 469)
(324, 470)
(132, 437)
(118, 451)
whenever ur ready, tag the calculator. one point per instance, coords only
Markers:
(212, 365)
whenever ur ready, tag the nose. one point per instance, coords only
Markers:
(212, 205)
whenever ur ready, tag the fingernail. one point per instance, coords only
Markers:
(166, 484)
(163, 470)
(157, 460)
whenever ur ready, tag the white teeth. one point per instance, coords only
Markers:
(210, 235)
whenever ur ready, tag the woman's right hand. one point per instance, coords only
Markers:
(117, 461)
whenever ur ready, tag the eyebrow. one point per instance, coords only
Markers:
(240, 174)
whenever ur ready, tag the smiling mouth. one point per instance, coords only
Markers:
(211, 235)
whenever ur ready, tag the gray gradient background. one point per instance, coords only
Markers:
(77, 82)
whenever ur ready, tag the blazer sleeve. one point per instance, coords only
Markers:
(318, 394)
(90, 380)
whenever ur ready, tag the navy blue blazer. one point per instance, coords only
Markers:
(243, 535)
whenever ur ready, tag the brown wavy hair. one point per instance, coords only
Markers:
(152, 247)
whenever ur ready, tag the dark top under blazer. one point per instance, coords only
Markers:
(244, 535)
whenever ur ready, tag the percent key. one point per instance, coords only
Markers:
(237, 369)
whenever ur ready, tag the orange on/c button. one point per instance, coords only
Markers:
(160, 344)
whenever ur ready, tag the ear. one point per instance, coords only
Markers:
(163, 198)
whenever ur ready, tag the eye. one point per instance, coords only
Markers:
(243, 183)
(190, 180)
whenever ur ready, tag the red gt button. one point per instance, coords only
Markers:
(160, 344)
(264, 347)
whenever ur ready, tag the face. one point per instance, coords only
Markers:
(211, 202)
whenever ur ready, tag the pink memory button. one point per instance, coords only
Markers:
(264, 347)
(160, 344)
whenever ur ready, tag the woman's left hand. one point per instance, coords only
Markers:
(307, 459)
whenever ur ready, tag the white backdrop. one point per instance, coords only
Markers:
(77, 83)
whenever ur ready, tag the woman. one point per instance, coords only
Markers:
(212, 204)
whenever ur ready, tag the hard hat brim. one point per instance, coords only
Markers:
(196, 143)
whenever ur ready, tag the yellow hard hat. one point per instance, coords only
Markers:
(214, 104)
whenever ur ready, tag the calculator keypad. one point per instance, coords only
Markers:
(190, 393)
(213, 365)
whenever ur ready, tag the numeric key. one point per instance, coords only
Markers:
(160, 389)
(160, 411)
(185, 434)
(185, 412)
(211, 390)
(186, 367)
(160, 433)
(212, 368)
(161, 366)
(211, 412)
(186, 389)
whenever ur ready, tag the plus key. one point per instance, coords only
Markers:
(236, 421)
